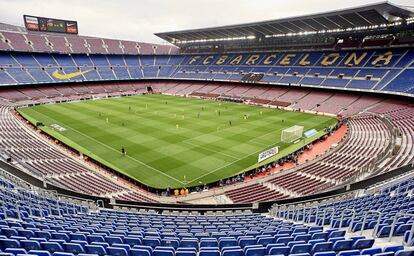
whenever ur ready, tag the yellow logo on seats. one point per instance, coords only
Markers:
(60, 76)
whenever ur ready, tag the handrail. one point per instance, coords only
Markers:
(369, 213)
(311, 209)
(347, 210)
(328, 210)
(394, 222)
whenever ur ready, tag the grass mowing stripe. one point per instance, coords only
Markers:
(151, 137)
(109, 147)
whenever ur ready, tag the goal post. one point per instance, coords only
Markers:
(291, 134)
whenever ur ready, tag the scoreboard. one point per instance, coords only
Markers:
(34, 23)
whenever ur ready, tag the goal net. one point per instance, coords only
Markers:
(291, 134)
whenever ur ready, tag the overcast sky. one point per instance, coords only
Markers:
(139, 19)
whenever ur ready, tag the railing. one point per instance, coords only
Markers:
(371, 213)
(394, 223)
(344, 212)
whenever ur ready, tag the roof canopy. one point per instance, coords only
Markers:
(364, 16)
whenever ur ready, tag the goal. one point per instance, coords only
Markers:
(291, 134)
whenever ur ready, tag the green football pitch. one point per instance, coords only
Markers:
(173, 141)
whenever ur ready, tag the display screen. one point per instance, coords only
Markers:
(50, 25)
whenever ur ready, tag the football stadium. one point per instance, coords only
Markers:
(286, 136)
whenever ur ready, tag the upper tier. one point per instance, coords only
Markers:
(39, 42)
(384, 71)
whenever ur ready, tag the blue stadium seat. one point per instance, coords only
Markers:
(103, 244)
(30, 245)
(244, 241)
(140, 252)
(9, 243)
(94, 238)
(133, 241)
(51, 246)
(226, 242)
(40, 253)
(280, 250)
(257, 251)
(349, 253)
(189, 242)
(300, 248)
(265, 240)
(61, 236)
(208, 242)
(113, 240)
(285, 240)
(63, 254)
(343, 245)
(363, 244)
(73, 248)
(270, 246)
(209, 253)
(185, 253)
(95, 249)
(153, 242)
(9, 232)
(393, 248)
(409, 252)
(336, 233)
(116, 251)
(371, 251)
(15, 251)
(80, 237)
(160, 252)
(385, 254)
(322, 247)
(328, 253)
(233, 252)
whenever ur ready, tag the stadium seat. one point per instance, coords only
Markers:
(322, 247)
(244, 241)
(9, 243)
(208, 242)
(405, 253)
(363, 244)
(280, 250)
(349, 253)
(95, 249)
(226, 242)
(255, 251)
(329, 253)
(393, 249)
(40, 253)
(51, 246)
(15, 251)
(116, 251)
(232, 252)
(73, 248)
(371, 251)
(30, 245)
(209, 253)
(300, 248)
(342, 245)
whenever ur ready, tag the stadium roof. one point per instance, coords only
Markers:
(364, 16)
